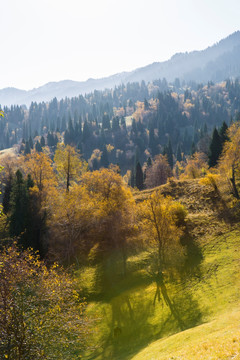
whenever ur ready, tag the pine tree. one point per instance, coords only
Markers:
(215, 149)
(152, 141)
(170, 154)
(104, 158)
(38, 146)
(30, 142)
(179, 153)
(27, 149)
(7, 194)
(223, 134)
(18, 205)
(139, 176)
(193, 148)
(86, 132)
(106, 122)
(42, 141)
(132, 179)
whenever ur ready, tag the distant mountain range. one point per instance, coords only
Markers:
(216, 63)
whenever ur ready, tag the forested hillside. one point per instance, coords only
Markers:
(127, 125)
(120, 223)
(99, 269)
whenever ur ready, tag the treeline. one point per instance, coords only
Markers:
(38, 189)
(133, 121)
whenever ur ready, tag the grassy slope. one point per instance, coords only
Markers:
(201, 320)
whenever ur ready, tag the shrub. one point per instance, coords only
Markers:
(41, 313)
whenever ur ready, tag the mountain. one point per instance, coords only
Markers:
(216, 63)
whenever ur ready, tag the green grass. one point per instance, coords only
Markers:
(217, 339)
(199, 315)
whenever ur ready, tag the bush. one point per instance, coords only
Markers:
(179, 212)
(41, 313)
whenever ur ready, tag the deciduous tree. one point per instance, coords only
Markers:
(230, 159)
(41, 312)
(158, 173)
(69, 164)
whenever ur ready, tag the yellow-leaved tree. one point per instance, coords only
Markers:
(39, 166)
(69, 164)
(229, 163)
(160, 221)
(41, 312)
(95, 219)
(196, 166)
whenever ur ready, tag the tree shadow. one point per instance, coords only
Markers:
(132, 321)
(128, 326)
(183, 309)
(194, 256)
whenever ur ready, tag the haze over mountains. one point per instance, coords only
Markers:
(216, 63)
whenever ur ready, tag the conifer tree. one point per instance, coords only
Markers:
(193, 148)
(139, 176)
(86, 132)
(27, 149)
(170, 153)
(132, 178)
(38, 146)
(42, 141)
(30, 142)
(18, 205)
(7, 194)
(104, 158)
(179, 153)
(215, 149)
(152, 141)
(223, 134)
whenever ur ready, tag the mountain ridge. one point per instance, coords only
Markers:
(215, 63)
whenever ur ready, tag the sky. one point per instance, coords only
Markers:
(51, 40)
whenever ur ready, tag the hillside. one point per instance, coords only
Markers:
(197, 315)
(216, 63)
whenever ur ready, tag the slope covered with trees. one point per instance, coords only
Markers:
(135, 193)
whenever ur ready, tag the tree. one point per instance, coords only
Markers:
(223, 133)
(18, 205)
(96, 217)
(39, 165)
(179, 153)
(158, 217)
(104, 157)
(229, 163)
(42, 141)
(26, 220)
(214, 149)
(112, 211)
(158, 173)
(42, 313)
(27, 149)
(196, 167)
(169, 153)
(139, 176)
(9, 165)
(38, 146)
(69, 164)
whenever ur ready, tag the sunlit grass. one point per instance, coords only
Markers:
(201, 320)
(218, 339)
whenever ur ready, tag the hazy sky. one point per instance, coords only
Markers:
(52, 40)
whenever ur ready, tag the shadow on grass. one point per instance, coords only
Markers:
(134, 320)
(182, 308)
(194, 255)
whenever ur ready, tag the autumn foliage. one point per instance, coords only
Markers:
(41, 312)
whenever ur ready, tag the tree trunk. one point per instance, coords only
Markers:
(233, 181)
